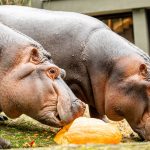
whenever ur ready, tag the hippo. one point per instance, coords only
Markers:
(32, 84)
(104, 70)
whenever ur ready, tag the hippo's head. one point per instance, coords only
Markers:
(31, 84)
(122, 86)
(128, 95)
(127, 91)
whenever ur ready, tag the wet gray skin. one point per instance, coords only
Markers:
(31, 83)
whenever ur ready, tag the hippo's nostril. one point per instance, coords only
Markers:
(75, 100)
(79, 102)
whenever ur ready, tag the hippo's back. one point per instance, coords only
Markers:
(63, 34)
(46, 26)
(58, 32)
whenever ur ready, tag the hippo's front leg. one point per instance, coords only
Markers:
(4, 144)
(3, 118)
(94, 114)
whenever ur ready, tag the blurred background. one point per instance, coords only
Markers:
(128, 18)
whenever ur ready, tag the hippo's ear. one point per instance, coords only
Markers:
(143, 70)
(34, 57)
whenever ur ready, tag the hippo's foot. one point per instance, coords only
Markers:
(105, 119)
(95, 114)
(3, 118)
(4, 144)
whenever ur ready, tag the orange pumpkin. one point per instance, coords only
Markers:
(88, 130)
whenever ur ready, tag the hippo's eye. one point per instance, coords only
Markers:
(53, 72)
(34, 58)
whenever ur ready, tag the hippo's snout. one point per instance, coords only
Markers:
(147, 130)
(143, 129)
(68, 114)
(69, 107)
(78, 107)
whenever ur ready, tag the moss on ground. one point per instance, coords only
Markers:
(25, 132)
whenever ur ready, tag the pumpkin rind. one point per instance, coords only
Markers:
(88, 130)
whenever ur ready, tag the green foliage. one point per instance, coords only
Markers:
(25, 132)
(15, 2)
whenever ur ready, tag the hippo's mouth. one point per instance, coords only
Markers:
(63, 113)
(143, 128)
(57, 116)
(141, 133)
(51, 119)
(58, 119)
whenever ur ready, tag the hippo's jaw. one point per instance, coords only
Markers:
(61, 108)
(50, 118)
(143, 128)
(58, 120)
(61, 115)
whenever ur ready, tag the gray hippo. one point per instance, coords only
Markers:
(103, 69)
(31, 84)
